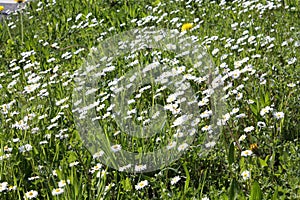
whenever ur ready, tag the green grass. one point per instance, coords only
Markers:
(28, 56)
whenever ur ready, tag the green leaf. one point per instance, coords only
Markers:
(275, 195)
(187, 181)
(262, 163)
(272, 159)
(231, 154)
(256, 193)
(155, 3)
(254, 109)
(267, 158)
(233, 190)
(267, 98)
(242, 163)
(72, 157)
(127, 184)
(284, 167)
(224, 197)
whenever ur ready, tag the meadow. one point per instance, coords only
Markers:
(242, 141)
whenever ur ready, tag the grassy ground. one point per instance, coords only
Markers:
(255, 47)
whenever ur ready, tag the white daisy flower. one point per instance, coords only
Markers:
(234, 111)
(291, 85)
(180, 120)
(63, 183)
(279, 115)
(171, 145)
(175, 179)
(115, 148)
(242, 138)
(249, 129)
(206, 128)
(98, 154)
(141, 185)
(57, 191)
(31, 194)
(210, 144)
(139, 168)
(101, 174)
(72, 164)
(245, 174)
(246, 153)
(123, 168)
(182, 147)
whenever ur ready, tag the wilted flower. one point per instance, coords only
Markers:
(253, 146)
(20, 1)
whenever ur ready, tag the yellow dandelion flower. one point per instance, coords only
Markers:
(186, 26)
(20, 1)
(1, 8)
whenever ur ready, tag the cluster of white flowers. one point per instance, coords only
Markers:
(233, 68)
